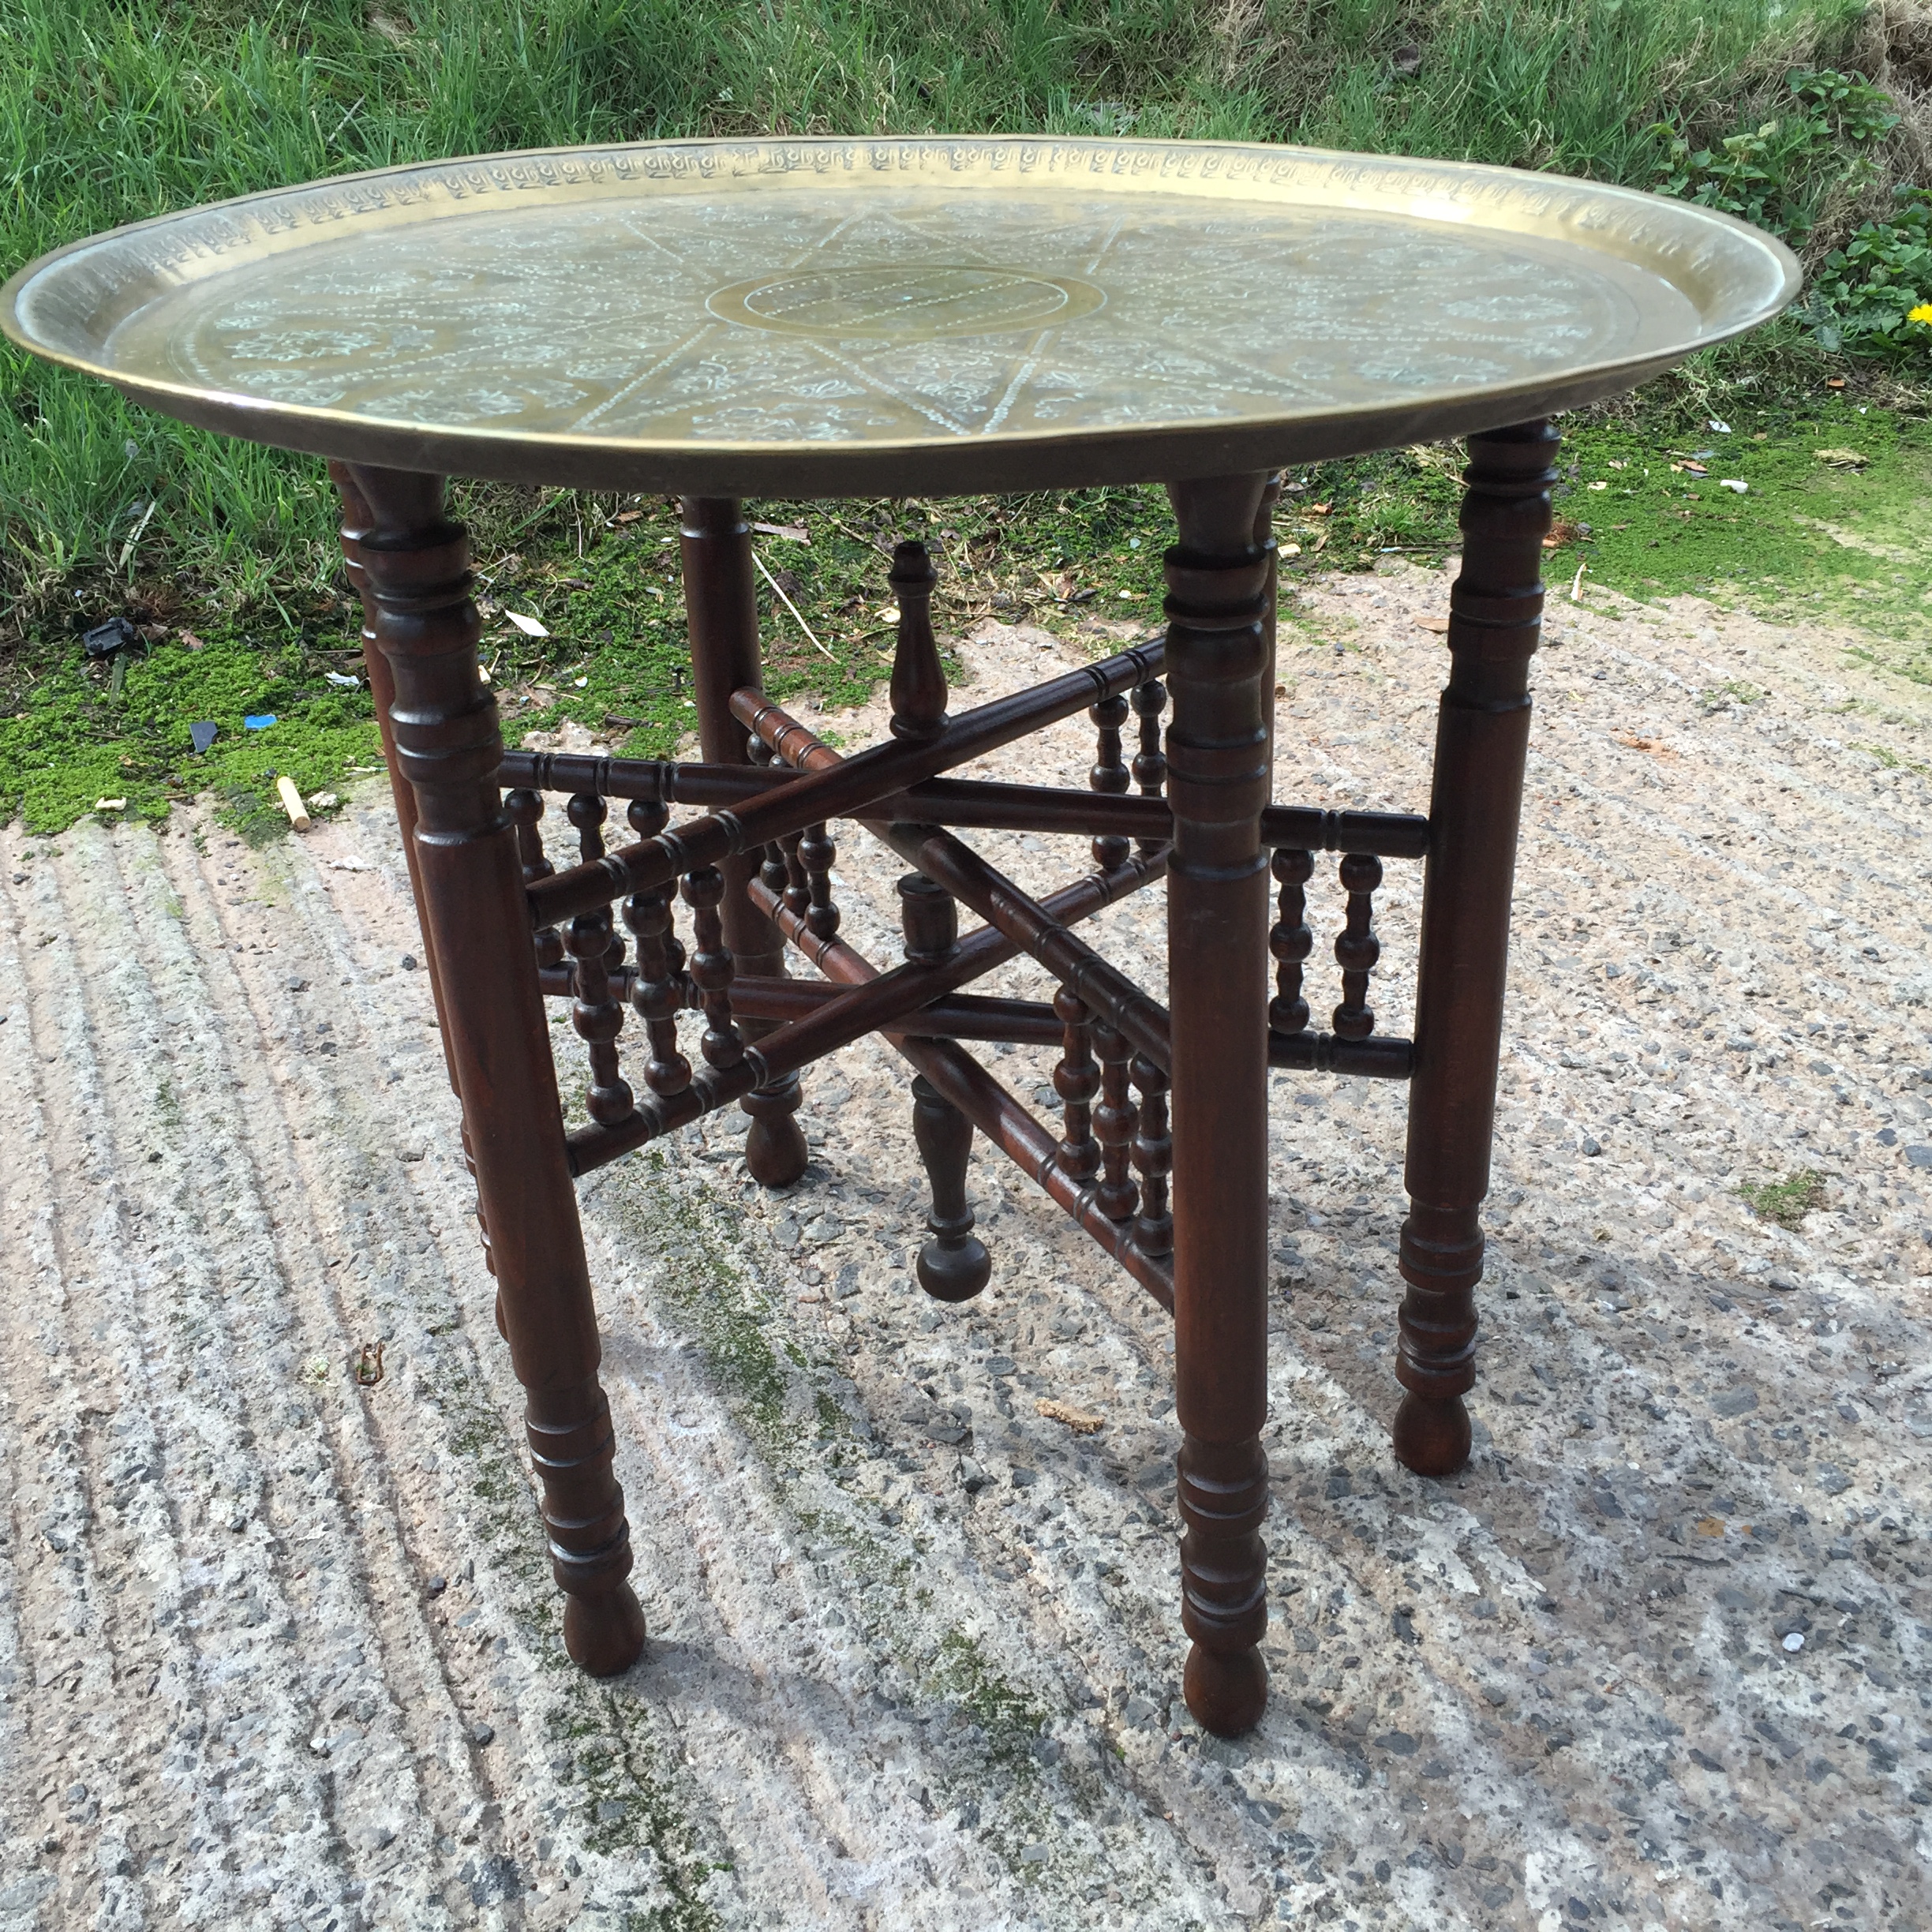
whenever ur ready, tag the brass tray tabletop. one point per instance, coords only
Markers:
(837, 316)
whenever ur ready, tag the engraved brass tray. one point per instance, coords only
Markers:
(838, 316)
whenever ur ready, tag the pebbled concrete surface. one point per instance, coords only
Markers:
(278, 1650)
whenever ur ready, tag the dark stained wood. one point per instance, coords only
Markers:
(712, 968)
(1109, 775)
(655, 990)
(1495, 609)
(1162, 1152)
(995, 897)
(980, 951)
(772, 869)
(587, 812)
(919, 683)
(447, 748)
(524, 808)
(1149, 762)
(356, 522)
(963, 1016)
(797, 888)
(1219, 677)
(838, 792)
(1153, 1158)
(1357, 948)
(968, 802)
(1076, 1080)
(959, 1078)
(721, 602)
(818, 855)
(954, 1264)
(1289, 941)
(1115, 1121)
(597, 1015)
(1382, 1056)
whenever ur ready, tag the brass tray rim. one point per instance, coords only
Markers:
(855, 467)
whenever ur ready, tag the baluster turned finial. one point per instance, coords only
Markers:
(918, 684)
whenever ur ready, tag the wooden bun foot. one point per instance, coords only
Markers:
(605, 1635)
(1433, 1437)
(954, 1267)
(1227, 1691)
(775, 1149)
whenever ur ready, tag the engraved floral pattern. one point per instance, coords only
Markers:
(867, 292)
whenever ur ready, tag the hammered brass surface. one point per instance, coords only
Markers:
(748, 317)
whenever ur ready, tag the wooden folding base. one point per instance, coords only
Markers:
(1161, 1149)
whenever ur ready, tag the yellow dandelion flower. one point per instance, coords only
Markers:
(1922, 313)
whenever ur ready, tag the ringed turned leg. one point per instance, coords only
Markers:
(1495, 612)
(1218, 744)
(447, 747)
(719, 596)
(382, 692)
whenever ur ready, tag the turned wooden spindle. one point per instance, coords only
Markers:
(1109, 775)
(598, 1015)
(1289, 941)
(1149, 762)
(524, 808)
(713, 967)
(954, 1264)
(1218, 673)
(1076, 1080)
(1115, 1121)
(587, 812)
(654, 991)
(1482, 735)
(720, 602)
(1356, 948)
(818, 855)
(918, 684)
(797, 888)
(1153, 1159)
(771, 872)
(477, 919)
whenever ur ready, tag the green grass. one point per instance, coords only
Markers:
(1806, 540)
(113, 109)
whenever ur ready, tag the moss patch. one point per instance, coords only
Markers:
(1787, 1202)
(69, 739)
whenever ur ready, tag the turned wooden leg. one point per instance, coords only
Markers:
(954, 1265)
(1482, 731)
(719, 599)
(1218, 673)
(475, 921)
(382, 692)
(355, 526)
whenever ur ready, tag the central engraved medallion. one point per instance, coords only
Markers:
(912, 304)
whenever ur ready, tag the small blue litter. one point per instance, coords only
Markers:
(259, 724)
(203, 734)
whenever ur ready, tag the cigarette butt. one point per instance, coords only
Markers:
(1081, 1421)
(292, 802)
